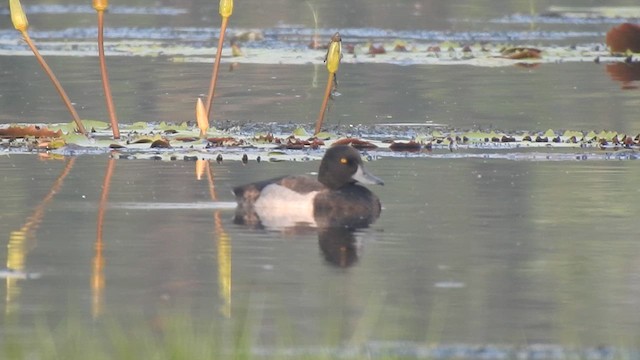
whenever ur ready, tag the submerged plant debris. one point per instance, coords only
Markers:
(291, 142)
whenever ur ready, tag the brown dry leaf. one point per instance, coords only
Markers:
(628, 141)
(375, 50)
(264, 138)
(519, 53)
(410, 146)
(161, 144)
(315, 143)
(294, 143)
(31, 130)
(400, 48)
(186, 138)
(356, 143)
(224, 141)
(624, 37)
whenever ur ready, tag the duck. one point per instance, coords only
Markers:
(335, 198)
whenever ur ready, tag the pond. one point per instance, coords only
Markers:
(480, 252)
(466, 251)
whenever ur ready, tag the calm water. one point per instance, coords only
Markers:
(579, 96)
(467, 250)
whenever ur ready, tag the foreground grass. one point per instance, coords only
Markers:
(184, 336)
(175, 338)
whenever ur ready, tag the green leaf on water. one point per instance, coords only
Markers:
(88, 124)
(474, 135)
(494, 135)
(570, 133)
(448, 45)
(94, 124)
(607, 135)
(74, 138)
(140, 125)
(437, 134)
(324, 135)
(422, 139)
(301, 132)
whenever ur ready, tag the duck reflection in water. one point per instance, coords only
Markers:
(335, 204)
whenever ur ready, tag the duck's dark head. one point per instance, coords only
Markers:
(342, 165)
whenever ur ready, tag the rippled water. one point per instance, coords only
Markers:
(470, 252)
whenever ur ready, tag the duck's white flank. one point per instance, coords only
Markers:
(279, 206)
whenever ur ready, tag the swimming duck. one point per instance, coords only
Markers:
(334, 198)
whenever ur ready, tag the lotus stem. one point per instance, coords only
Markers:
(216, 66)
(113, 119)
(56, 83)
(225, 9)
(325, 102)
(333, 57)
(20, 22)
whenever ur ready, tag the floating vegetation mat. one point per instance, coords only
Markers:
(286, 48)
(292, 142)
(511, 38)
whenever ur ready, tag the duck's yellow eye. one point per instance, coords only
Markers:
(344, 161)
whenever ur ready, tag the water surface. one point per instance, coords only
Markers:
(564, 96)
(494, 251)
(470, 252)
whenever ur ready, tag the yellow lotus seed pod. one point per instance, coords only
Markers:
(226, 8)
(18, 16)
(334, 53)
(100, 5)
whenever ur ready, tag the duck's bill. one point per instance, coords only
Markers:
(363, 176)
